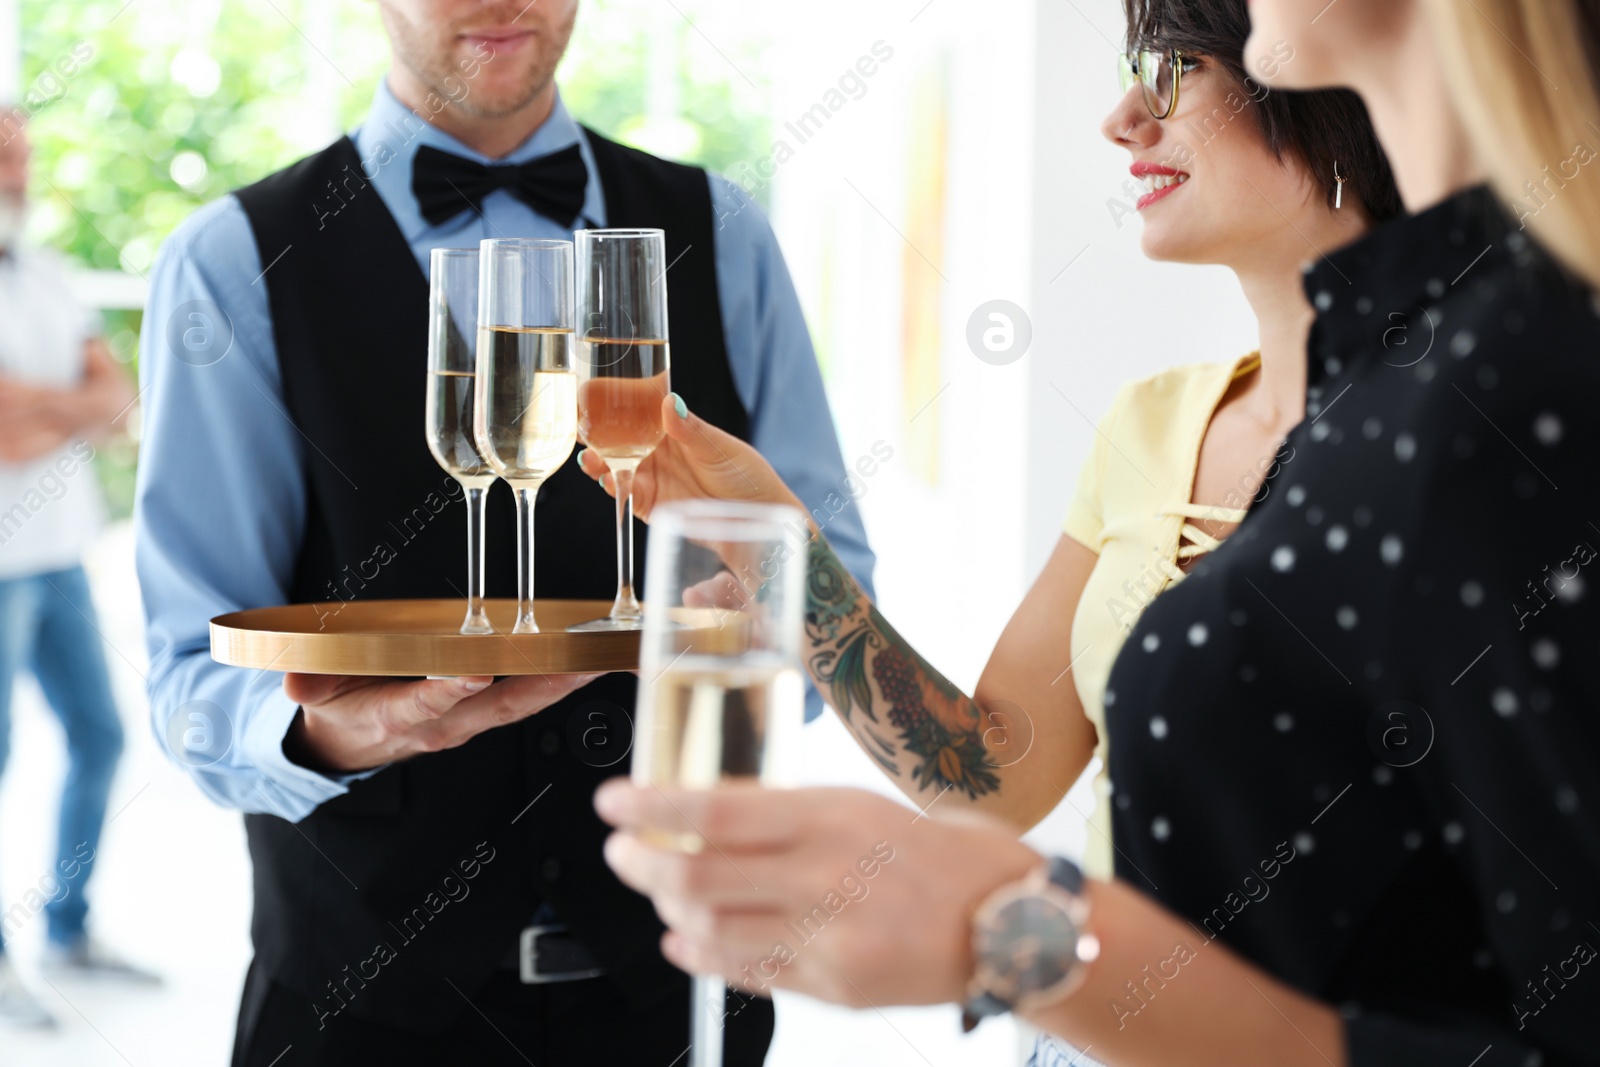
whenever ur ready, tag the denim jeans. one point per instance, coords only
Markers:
(47, 625)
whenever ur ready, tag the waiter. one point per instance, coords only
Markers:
(429, 885)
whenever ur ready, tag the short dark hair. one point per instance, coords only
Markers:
(1320, 128)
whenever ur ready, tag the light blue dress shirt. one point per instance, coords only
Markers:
(221, 499)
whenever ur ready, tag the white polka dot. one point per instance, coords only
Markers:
(1506, 902)
(1504, 702)
(1151, 642)
(1283, 559)
(1346, 617)
(1471, 594)
(1567, 800)
(1382, 775)
(1283, 722)
(1453, 833)
(1405, 447)
(1109, 698)
(1372, 429)
(1304, 842)
(1314, 515)
(1296, 495)
(1158, 727)
(1546, 653)
(1548, 429)
(1412, 840)
(1462, 344)
(1435, 288)
(1198, 634)
(1323, 300)
(1364, 305)
(1425, 372)
(1338, 537)
(1391, 549)
(1572, 591)
(1160, 828)
(1319, 431)
(1333, 364)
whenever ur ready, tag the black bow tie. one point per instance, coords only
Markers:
(445, 185)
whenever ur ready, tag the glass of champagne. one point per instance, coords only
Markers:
(452, 314)
(526, 416)
(721, 694)
(622, 375)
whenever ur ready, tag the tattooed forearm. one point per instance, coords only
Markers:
(854, 649)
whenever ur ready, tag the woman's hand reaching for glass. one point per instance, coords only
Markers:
(694, 461)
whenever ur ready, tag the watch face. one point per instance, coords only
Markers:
(1029, 946)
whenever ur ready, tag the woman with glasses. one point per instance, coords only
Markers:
(1363, 833)
(1177, 460)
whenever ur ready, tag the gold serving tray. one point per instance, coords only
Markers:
(413, 638)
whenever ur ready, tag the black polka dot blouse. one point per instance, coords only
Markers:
(1360, 744)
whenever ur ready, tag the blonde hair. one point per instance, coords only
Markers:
(1524, 81)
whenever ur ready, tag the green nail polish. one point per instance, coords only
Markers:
(679, 406)
(581, 453)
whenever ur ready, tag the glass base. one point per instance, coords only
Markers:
(477, 624)
(607, 625)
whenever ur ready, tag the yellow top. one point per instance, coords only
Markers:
(1133, 508)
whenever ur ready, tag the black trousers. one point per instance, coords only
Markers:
(562, 1024)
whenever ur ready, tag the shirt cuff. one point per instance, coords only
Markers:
(287, 789)
(1389, 1041)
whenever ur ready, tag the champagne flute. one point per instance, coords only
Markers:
(452, 312)
(526, 417)
(622, 371)
(723, 696)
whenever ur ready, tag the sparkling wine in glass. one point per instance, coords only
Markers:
(721, 694)
(526, 415)
(452, 397)
(622, 375)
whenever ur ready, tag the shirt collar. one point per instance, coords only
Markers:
(1378, 297)
(388, 140)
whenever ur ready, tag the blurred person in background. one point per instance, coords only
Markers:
(59, 391)
(284, 357)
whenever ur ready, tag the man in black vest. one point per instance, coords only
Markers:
(428, 878)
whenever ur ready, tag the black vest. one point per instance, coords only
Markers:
(366, 904)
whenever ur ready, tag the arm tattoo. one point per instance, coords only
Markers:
(853, 646)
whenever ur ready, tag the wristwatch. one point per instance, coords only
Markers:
(1029, 943)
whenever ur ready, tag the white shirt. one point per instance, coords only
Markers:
(50, 507)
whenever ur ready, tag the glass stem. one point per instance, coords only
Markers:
(477, 621)
(626, 606)
(709, 999)
(525, 500)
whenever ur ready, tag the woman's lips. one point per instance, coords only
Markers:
(1165, 179)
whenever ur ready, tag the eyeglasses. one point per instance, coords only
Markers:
(1159, 73)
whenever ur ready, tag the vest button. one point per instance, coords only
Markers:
(549, 743)
(550, 869)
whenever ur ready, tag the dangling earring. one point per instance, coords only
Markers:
(1338, 187)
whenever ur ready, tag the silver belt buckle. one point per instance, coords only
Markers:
(528, 957)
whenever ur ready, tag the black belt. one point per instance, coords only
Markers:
(548, 952)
